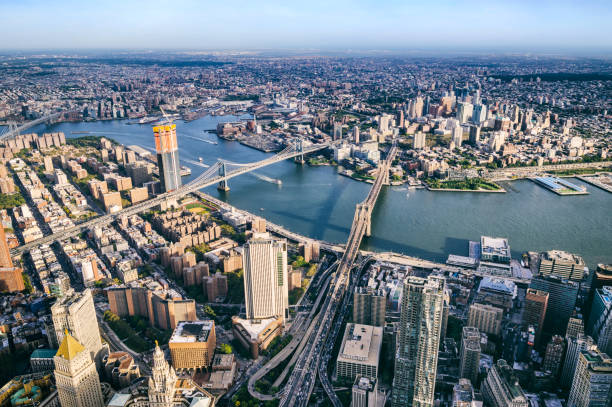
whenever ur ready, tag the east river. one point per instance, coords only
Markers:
(318, 202)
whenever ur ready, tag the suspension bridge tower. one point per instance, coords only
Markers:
(223, 186)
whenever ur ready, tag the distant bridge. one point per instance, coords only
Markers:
(15, 131)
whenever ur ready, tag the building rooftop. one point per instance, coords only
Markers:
(560, 255)
(69, 347)
(494, 246)
(192, 331)
(43, 354)
(364, 383)
(361, 343)
(254, 327)
(119, 400)
(498, 284)
(510, 380)
(598, 361)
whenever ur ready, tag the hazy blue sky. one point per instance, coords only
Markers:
(332, 24)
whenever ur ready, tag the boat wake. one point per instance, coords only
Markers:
(199, 164)
(267, 179)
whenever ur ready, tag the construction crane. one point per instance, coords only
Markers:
(168, 119)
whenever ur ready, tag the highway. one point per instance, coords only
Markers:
(208, 178)
(503, 174)
(302, 380)
(331, 340)
(301, 328)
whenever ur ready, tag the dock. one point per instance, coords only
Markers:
(559, 186)
(602, 181)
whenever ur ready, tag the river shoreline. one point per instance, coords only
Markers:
(317, 202)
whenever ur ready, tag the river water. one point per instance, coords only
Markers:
(317, 202)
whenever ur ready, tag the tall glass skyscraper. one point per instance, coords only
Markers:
(416, 360)
(167, 157)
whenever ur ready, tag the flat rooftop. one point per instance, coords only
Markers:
(192, 331)
(494, 246)
(254, 327)
(498, 284)
(361, 343)
(563, 256)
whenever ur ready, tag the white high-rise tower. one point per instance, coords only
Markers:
(266, 291)
(76, 313)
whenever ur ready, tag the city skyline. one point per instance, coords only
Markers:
(387, 27)
(410, 199)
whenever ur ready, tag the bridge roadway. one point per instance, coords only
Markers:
(15, 132)
(302, 380)
(331, 339)
(206, 179)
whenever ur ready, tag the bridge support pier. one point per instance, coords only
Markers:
(299, 147)
(223, 183)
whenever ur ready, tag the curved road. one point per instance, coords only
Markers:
(304, 328)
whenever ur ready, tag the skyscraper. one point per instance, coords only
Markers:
(166, 147)
(501, 388)
(562, 296)
(457, 135)
(75, 313)
(464, 112)
(266, 292)
(534, 313)
(575, 327)
(600, 321)
(419, 141)
(369, 306)
(364, 392)
(563, 264)
(10, 276)
(337, 131)
(76, 378)
(554, 355)
(592, 385)
(469, 357)
(474, 134)
(486, 318)
(479, 114)
(419, 339)
(575, 346)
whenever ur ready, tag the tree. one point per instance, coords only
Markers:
(209, 311)
(225, 348)
(227, 230)
(27, 283)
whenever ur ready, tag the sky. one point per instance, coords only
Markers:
(511, 25)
